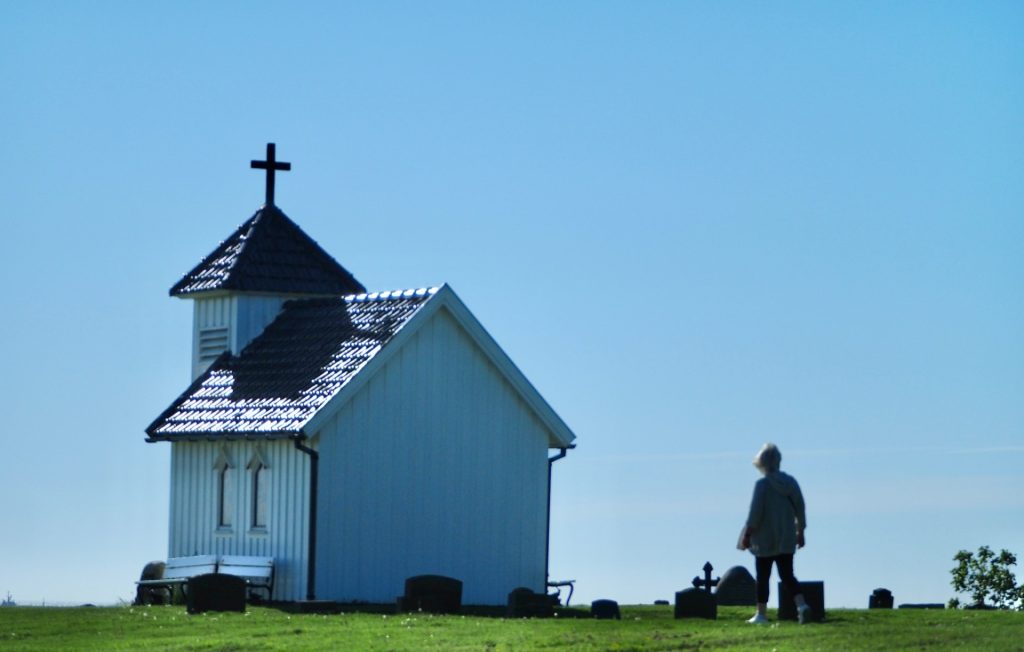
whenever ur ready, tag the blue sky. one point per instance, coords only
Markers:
(694, 226)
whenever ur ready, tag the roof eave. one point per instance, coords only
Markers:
(247, 435)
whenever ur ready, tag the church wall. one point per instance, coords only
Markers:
(194, 502)
(252, 313)
(435, 466)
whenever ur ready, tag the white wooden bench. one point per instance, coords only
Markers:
(258, 572)
(179, 569)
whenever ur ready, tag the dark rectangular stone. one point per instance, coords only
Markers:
(814, 594)
(215, 592)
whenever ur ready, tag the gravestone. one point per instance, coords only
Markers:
(215, 592)
(695, 603)
(737, 588)
(524, 603)
(707, 582)
(880, 599)
(814, 594)
(605, 610)
(431, 593)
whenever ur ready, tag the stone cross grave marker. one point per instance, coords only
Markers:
(707, 582)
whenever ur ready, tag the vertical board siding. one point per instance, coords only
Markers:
(435, 466)
(252, 313)
(194, 507)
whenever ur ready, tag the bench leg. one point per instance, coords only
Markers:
(179, 593)
(148, 595)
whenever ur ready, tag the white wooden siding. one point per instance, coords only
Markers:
(193, 512)
(434, 466)
(252, 313)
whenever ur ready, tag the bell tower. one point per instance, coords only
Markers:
(239, 288)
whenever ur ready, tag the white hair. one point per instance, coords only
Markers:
(768, 458)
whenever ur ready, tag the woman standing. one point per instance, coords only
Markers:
(774, 530)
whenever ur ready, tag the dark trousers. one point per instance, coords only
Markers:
(764, 575)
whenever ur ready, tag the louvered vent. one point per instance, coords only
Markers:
(212, 342)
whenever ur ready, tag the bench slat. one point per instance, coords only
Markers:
(188, 571)
(242, 560)
(167, 582)
(246, 571)
(194, 560)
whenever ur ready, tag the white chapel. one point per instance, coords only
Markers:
(357, 438)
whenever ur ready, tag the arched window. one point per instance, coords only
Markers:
(224, 470)
(259, 497)
(225, 497)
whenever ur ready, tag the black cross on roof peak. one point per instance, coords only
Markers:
(271, 165)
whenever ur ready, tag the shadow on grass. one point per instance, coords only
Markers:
(330, 607)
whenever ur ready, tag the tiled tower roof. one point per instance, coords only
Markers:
(269, 253)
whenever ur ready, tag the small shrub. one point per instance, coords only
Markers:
(987, 576)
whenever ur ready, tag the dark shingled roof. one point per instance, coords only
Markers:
(269, 253)
(285, 375)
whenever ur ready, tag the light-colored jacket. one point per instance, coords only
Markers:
(776, 512)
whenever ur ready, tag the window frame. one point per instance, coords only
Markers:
(225, 493)
(259, 487)
(259, 520)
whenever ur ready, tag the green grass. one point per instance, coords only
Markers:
(641, 628)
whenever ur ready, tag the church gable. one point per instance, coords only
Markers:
(474, 341)
(445, 382)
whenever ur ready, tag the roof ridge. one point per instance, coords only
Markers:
(246, 236)
(391, 295)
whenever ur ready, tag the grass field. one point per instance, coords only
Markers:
(641, 628)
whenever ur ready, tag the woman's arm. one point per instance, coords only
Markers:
(756, 514)
(801, 516)
(800, 509)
